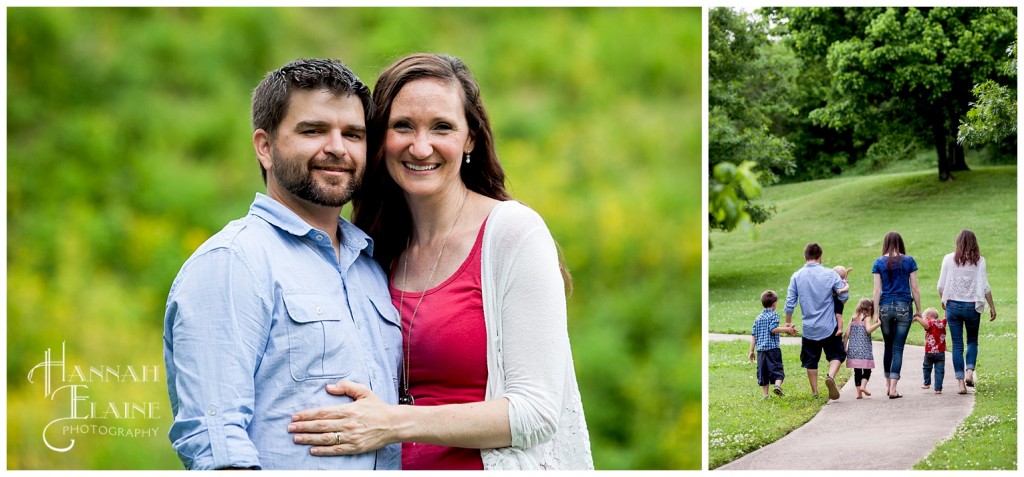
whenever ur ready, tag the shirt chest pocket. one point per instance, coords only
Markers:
(320, 336)
(390, 331)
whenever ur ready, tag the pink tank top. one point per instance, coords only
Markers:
(447, 356)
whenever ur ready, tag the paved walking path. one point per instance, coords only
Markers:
(907, 428)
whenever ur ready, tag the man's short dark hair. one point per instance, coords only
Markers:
(812, 251)
(272, 96)
(768, 298)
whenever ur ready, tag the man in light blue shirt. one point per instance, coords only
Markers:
(813, 286)
(287, 299)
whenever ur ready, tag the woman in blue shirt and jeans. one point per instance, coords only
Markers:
(895, 276)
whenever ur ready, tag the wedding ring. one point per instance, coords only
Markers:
(337, 438)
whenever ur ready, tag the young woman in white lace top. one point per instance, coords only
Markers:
(964, 291)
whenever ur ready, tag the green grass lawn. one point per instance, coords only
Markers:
(849, 217)
(740, 421)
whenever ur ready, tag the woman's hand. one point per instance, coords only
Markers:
(354, 428)
(991, 305)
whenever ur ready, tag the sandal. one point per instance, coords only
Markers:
(833, 390)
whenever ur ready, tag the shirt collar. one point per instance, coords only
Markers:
(354, 237)
(280, 216)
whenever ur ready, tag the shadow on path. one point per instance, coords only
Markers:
(907, 428)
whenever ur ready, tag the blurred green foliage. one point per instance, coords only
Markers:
(129, 144)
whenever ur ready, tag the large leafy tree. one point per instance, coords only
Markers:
(749, 85)
(905, 74)
(820, 151)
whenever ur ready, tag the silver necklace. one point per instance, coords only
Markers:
(405, 397)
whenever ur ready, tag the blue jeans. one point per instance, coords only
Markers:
(961, 315)
(938, 360)
(896, 321)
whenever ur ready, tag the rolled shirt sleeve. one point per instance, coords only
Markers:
(215, 331)
(791, 295)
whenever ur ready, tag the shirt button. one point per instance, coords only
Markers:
(319, 237)
(319, 310)
(212, 410)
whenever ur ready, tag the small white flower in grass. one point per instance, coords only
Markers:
(979, 426)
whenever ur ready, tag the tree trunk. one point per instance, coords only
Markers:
(852, 154)
(959, 162)
(956, 150)
(940, 140)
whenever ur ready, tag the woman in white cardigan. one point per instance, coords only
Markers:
(500, 391)
(964, 291)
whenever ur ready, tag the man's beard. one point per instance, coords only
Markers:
(296, 177)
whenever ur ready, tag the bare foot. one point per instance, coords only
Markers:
(865, 391)
(938, 392)
(926, 386)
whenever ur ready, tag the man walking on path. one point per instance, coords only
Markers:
(813, 285)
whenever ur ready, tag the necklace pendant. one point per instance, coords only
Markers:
(406, 399)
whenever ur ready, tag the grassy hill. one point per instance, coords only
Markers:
(849, 217)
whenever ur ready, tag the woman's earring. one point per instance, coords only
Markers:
(467, 158)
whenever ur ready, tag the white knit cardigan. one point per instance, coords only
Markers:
(529, 361)
(968, 283)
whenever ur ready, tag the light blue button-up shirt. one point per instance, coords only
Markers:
(813, 285)
(258, 321)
